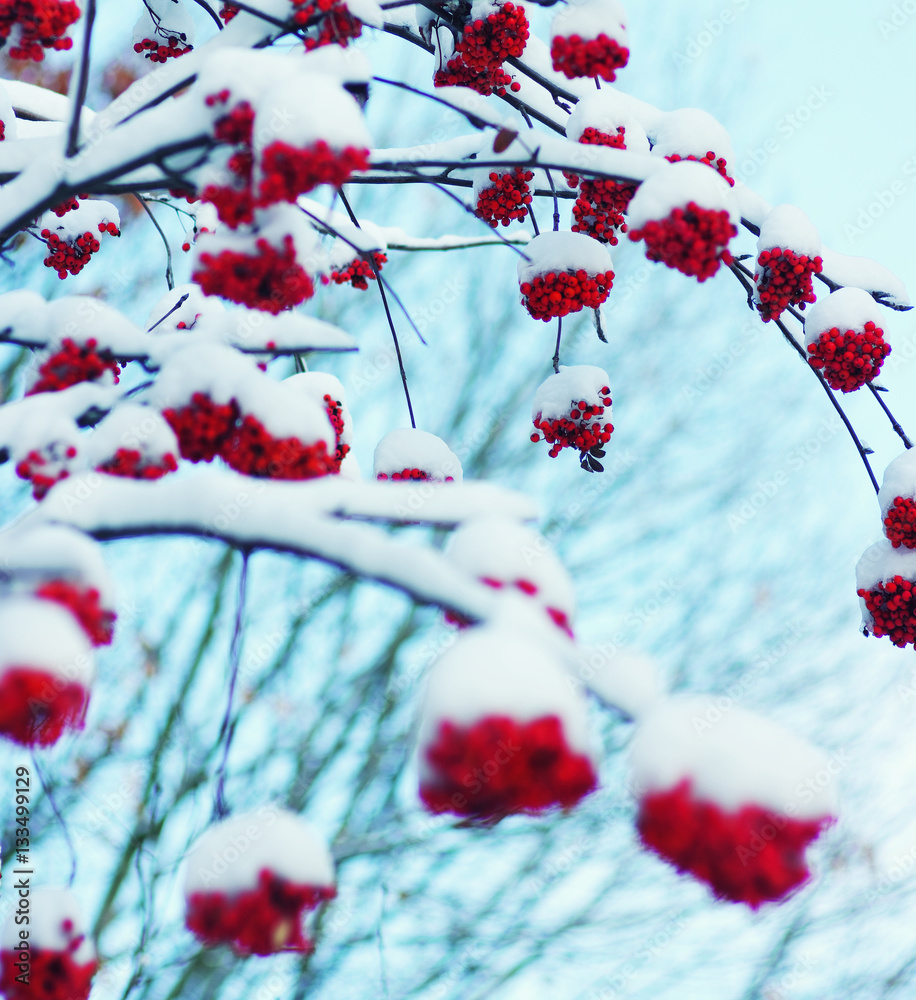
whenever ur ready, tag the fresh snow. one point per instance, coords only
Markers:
(409, 448)
(621, 678)
(44, 635)
(590, 18)
(607, 110)
(556, 394)
(733, 757)
(844, 309)
(789, 228)
(674, 186)
(229, 856)
(692, 132)
(563, 252)
(132, 426)
(899, 480)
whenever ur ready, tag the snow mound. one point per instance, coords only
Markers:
(55, 920)
(167, 314)
(673, 187)
(882, 562)
(571, 384)
(409, 448)
(230, 855)
(86, 218)
(591, 18)
(845, 309)
(622, 678)
(607, 110)
(42, 635)
(692, 132)
(134, 427)
(563, 252)
(899, 480)
(317, 385)
(789, 228)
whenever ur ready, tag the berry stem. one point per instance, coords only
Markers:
(169, 277)
(82, 81)
(211, 12)
(901, 433)
(227, 730)
(177, 306)
(556, 353)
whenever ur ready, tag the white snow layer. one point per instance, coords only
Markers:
(55, 552)
(591, 18)
(317, 385)
(844, 309)
(86, 218)
(409, 448)
(572, 384)
(674, 186)
(497, 548)
(7, 115)
(622, 678)
(496, 671)
(789, 228)
(224, 374)
(692, 132)
(229, 856)
(882, 562)
(50, 909)
(134, 427)
(44, 635)
(733, 757)
(171, 20)
(563, 252)
(899, 480)
(607, 110)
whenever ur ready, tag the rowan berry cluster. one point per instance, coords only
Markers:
(583, 429)
(693, 239)
(252, 450)
(259, 921)
(481, 49)
(575, 56)
(507, 198)
(718, 163)
(41, 25)
(900, 523)
(287, 172)
(132, 464)
(334, 408)
(415, 475)
(784, 279)
(892, 605)
(43, 468)
(85, 604)
(71, 255)
(74, 363)
(36, 706)
(358, 272)
(164, 49)
(53, 975)
(499, 766)
(750, 856)
(849, 359)
(559, 293)
(334, 22)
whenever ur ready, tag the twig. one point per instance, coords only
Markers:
(211, 12)
(82, 86)
(169, 278)
(556, 353)
(48, 790)
(184, 298)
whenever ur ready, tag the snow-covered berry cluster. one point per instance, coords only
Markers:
(692, 239)
(358, 272)
(71, 255)
(36, 25)
(849, 359)
(72, 363)
(233, 201)
(251, 449)
(85, 604)
(559, 293)
(600, 206)
(900, 523)
(288, 171)
(506, 198)
(163, 49)
(891, 605)
(130, 463)
(479, 52)
(271, 279)
(43, 467)
(784, 279)
(329, 21)
(411, 455)
(256, 904)
(202, 426)
(576, 56)
(569, 412)
(750, 855)
(61, 960)
(70, 205)
(718, 163)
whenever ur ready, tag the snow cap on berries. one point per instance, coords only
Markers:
(507, 555)
(563, 252)
(132, 440)
(674, 186)
(229, 856)
(318, 385)
(571, 384)
(406, 451)
(82, 318)
(41, 635)
(878, 566)
(492, 671)
(690, 132)
(31, 556)
(844, 309)
(788, 227)
(231, 75)
(732, 757)
(607, 111)
(899, 481)
(589, 38)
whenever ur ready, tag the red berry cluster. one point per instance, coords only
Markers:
(892, 605)
(507, 198)
(159, 52)
(358, 272)
(2, 131)
(415, 475)
(85, 603)
(691, 239)
(582, 429)
(481, 49)
(66, 206)
(234, 203)
(259, 921)
(70, 256)
(36, 706)
(849, 360)
(575, 56)
(202, 427)
(559, 293)
(53, 975)
(334, 21)
(287, 172)
(33, 469)
(228, 11)
(251, 449)
(131, 464)
(900, 523)
(784, 280)
(710, 159)
(334, 409)
(541, 771)
(74, 363)
(272, 280)
(751, 856)
(599, 209)
(42, 24)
